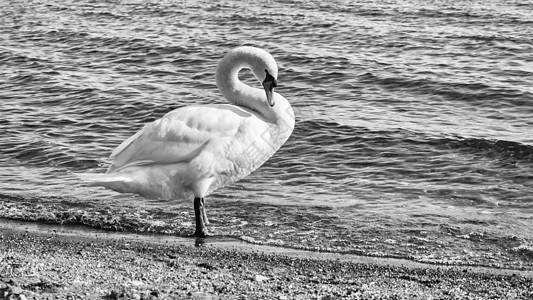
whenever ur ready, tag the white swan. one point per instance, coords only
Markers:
(192, 151)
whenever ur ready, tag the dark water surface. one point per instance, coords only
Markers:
(414, 132)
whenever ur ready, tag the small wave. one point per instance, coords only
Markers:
(46, 153)
(54, 210)
(508, 149)
(525, 250)
(465, 172)
(331, 132)
(475, 93)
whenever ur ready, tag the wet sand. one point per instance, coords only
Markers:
(50, 261)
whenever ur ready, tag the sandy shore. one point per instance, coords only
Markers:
(49, 262)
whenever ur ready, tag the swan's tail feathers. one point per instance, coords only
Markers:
(104, 179)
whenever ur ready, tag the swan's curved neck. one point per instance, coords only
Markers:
(235, 91)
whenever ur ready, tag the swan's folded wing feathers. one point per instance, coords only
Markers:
(125, 144)
(175, 138)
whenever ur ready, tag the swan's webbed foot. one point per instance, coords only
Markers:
(201, 218)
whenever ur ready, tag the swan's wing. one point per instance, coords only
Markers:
(178, 136)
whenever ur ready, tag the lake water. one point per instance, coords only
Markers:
(413, 138)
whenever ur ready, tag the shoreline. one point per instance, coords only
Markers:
(81, 232)
(41, 260)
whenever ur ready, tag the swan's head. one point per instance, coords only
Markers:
(265, 70)
(262, 65)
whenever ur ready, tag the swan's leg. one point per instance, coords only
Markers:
(199, 215)
(200, 188)
(204, 215)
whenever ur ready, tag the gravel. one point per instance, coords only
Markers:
(46, 264)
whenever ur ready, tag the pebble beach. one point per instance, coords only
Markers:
(60, 262)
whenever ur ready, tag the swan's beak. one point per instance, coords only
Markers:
(269, 90)
(269, 84)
